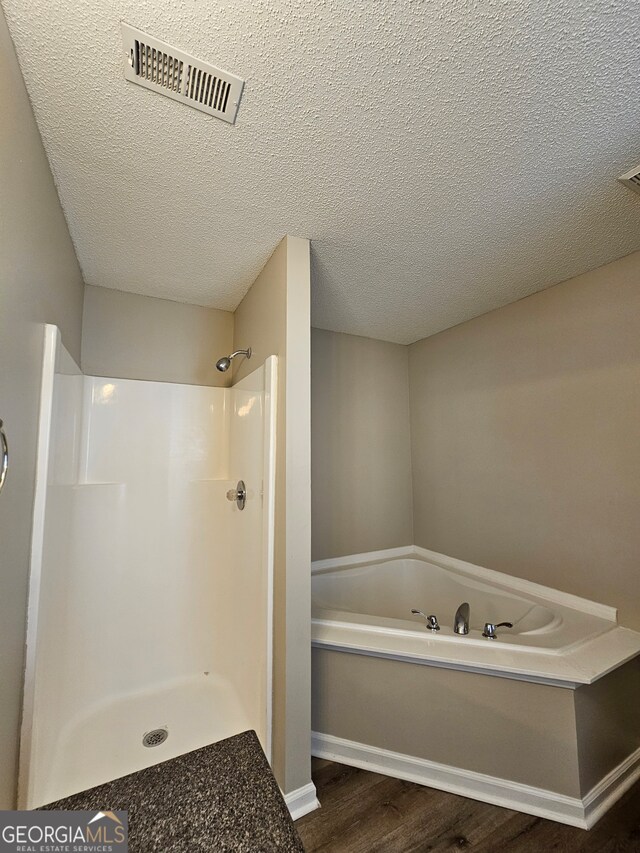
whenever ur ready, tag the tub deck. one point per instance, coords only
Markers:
(362, 604)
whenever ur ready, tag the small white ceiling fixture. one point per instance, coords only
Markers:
(165, 69)
(631, 179)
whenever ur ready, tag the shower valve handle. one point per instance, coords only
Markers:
(239, 494)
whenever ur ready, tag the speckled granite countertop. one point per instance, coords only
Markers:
(222, 797)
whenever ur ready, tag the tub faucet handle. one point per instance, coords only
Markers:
(431, 620)
(490, 629)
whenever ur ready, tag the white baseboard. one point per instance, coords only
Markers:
(611, 788)
(302, 801)
(582, 813)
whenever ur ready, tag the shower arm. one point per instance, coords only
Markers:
(223, 364)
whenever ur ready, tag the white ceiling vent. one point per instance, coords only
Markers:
(631, 179)
(164, 69)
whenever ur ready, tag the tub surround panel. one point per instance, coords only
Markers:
(607, 723)
(140, 337)
(507, 729)
(521, 746)
(524, 438)
(361, 448)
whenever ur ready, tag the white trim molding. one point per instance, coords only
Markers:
(302, 801)
(611, 788)
(582, 813)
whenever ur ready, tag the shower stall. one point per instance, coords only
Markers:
(150, 603)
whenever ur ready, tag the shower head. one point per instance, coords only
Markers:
(223, 364)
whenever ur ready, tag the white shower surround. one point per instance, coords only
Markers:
(151, 594)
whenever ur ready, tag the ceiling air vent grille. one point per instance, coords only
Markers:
(157, 67)
(631, 179)
(164, 69)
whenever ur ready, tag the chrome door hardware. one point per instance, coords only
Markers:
(490, 629)
(4, 465)
(239, 494)
(431, 621)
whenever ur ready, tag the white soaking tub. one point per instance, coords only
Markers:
(363, 604)
(537, 719)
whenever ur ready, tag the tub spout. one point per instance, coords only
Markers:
(461, 619)
(432, 622)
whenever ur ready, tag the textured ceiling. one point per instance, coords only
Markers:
(444, 157)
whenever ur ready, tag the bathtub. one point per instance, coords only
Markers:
(535, 720)
(363, 604)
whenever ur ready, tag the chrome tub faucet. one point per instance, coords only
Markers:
(461, 619)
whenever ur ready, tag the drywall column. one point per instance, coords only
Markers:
(524, 426)
(41, 282)
(361, 445)
(274, 319)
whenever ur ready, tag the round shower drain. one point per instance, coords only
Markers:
(155, 737)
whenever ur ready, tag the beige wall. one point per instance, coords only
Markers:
(40, 283)
(525, 449)
(139, 337)
(361, 445)
(274, 319)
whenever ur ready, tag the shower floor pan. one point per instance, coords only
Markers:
(106, 742)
